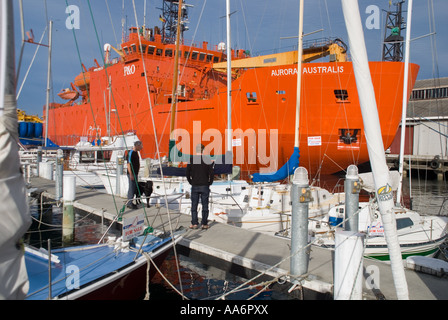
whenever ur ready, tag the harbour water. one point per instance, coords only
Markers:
(201, 279)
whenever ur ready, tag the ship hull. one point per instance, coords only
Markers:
(331, 131)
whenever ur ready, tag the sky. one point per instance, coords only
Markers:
(257, 26)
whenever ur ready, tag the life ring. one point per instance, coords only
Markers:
(435, 163)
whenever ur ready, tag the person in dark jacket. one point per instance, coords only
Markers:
(200, 176)
(133, 167)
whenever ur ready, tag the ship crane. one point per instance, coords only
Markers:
(107, 48)
(313, 50)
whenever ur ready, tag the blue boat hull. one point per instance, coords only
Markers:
(94, 272)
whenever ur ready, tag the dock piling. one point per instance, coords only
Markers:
(38, 159)
(352, 189)
(46, 170)
(68, 218)
(300, 197)
(348, 265)
(120, 162)
(59, 174)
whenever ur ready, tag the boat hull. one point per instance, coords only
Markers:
(95, 272)
(130, 285)
(263, 113)
(380, 251)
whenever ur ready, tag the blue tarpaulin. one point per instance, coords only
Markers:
(285, 171)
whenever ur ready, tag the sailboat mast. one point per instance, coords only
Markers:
(299, 75)
(374, 140)
(175, 77)
(229, 81)
(405, 98)
(47, 108)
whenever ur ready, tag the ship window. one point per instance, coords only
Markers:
(215, 59)
(143, 47)
(201, 57)
(159, 52)
(126, 50)
(341, 95)
(404, 223)
(209, 57)
(168, 52)
(194, 55)
(134, 48)
(151, 49)
(251, 97)
(186, 54)
(423, 94)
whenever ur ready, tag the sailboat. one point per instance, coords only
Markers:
(115, 270)
(417, 234)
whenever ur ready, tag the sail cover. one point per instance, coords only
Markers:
(14, 214)
(286, 170)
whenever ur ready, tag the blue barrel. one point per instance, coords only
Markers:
(38, 129)
(22, 129)
(30, 130)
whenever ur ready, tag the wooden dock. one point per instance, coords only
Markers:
(254, 252)
(435, 164)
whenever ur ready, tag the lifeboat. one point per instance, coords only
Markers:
(82, 81)
(68, 94)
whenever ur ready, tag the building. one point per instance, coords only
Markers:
(426, 124)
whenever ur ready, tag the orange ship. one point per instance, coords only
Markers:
(134, 91)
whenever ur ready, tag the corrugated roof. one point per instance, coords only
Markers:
(431, 83)
(430, 107)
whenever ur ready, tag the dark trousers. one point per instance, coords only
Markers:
(132, 189)
(197, 192)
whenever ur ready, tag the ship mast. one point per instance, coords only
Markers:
(172, 10)
(405, 100)
(299, 76)
(393, 44)
(172, 141)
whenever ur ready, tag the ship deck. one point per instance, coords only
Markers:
(246, 252)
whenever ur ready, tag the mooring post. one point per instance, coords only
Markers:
(46, 170)
(352, 189)
(68, 217)
(38, 159)
(120, 162)
(300, 197)
(59, 174)
(348, 265)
